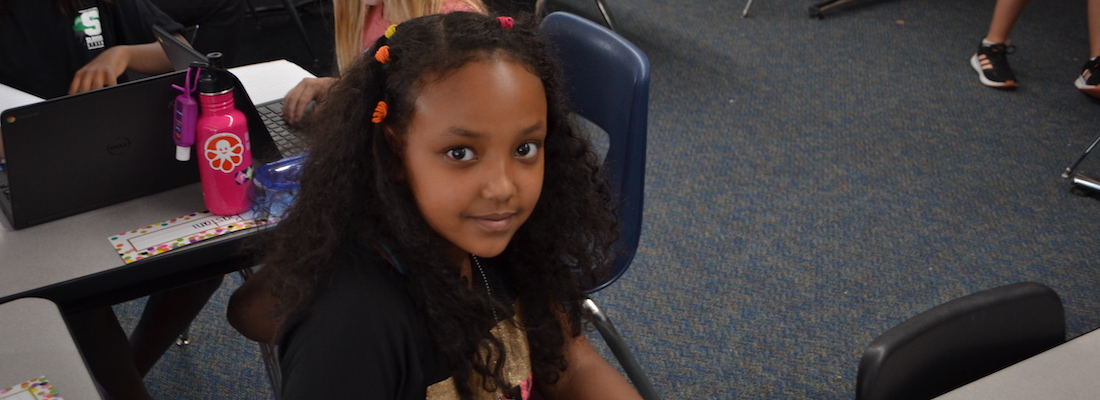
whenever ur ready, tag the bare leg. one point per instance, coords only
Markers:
(1005, 14)
(166, 315)
(106, 350)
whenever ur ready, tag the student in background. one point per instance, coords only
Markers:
(357, 24)
(991, 60)
(53, 48)
(448, 212)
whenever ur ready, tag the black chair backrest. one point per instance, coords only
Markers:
(961, 341)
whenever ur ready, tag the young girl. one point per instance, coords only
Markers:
(447, 212)
(357, 23)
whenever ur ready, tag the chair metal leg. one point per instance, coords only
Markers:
(1069, 170)
(745, 12)
(818, 10)
(267, 350)
(605, 13)
(255, 15)
(290, 8)
(184, 338)
(618, 346)
(1086, 181)
(271, 364)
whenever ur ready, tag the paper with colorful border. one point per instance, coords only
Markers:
(172, 234)
(34, 389)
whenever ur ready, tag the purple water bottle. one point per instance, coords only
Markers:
(223, 151)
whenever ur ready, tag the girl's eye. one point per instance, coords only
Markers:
(528, 150)
(461, 154)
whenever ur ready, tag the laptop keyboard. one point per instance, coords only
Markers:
(286, 140)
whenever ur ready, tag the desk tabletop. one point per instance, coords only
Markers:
(79, 245)
(1068, 371)
(74, 248)
(36, 342)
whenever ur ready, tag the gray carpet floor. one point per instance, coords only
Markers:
(812, 183)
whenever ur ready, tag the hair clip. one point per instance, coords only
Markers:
(379, 112)
(506, 22)
(390, 31)
(382, 54)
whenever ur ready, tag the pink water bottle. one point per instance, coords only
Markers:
(222, 148)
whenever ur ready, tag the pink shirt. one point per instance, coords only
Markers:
(376, 25)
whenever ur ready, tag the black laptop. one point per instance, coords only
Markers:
(80, 152)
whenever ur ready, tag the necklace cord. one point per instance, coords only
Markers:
(496, 323)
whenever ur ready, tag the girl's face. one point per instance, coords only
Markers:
(474, 154)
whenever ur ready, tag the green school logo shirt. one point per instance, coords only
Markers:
(88, 23)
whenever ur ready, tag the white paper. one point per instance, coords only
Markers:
(271, 80)
(11, 97)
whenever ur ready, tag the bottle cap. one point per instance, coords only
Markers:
(215, 79)
(183, 153)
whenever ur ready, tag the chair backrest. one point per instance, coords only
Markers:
(960, 341)
(607, 80)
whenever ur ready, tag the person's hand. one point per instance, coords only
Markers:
(102, 71)
(308, 90)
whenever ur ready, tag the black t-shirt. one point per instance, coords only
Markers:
(362, 337)
(41, 48)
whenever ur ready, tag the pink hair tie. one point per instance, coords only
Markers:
(506, 22)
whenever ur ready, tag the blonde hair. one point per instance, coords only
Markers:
(350, 19)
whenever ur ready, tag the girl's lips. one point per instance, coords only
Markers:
(495, 222)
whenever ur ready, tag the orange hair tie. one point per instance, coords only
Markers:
(383, 54)
(380, 112)
(506, 22)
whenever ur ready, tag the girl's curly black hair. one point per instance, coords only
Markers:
(352, 198)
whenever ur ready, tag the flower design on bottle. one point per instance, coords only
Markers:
(224, 151)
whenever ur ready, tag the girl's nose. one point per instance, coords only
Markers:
(499, 181)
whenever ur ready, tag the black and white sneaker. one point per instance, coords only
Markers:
(991, 63)
(1090, 78)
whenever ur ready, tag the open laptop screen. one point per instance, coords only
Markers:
(179, 53)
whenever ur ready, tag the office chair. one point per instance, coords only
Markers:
(607, 80)
(961, 341)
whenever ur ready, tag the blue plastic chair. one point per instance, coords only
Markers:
(607, 80)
